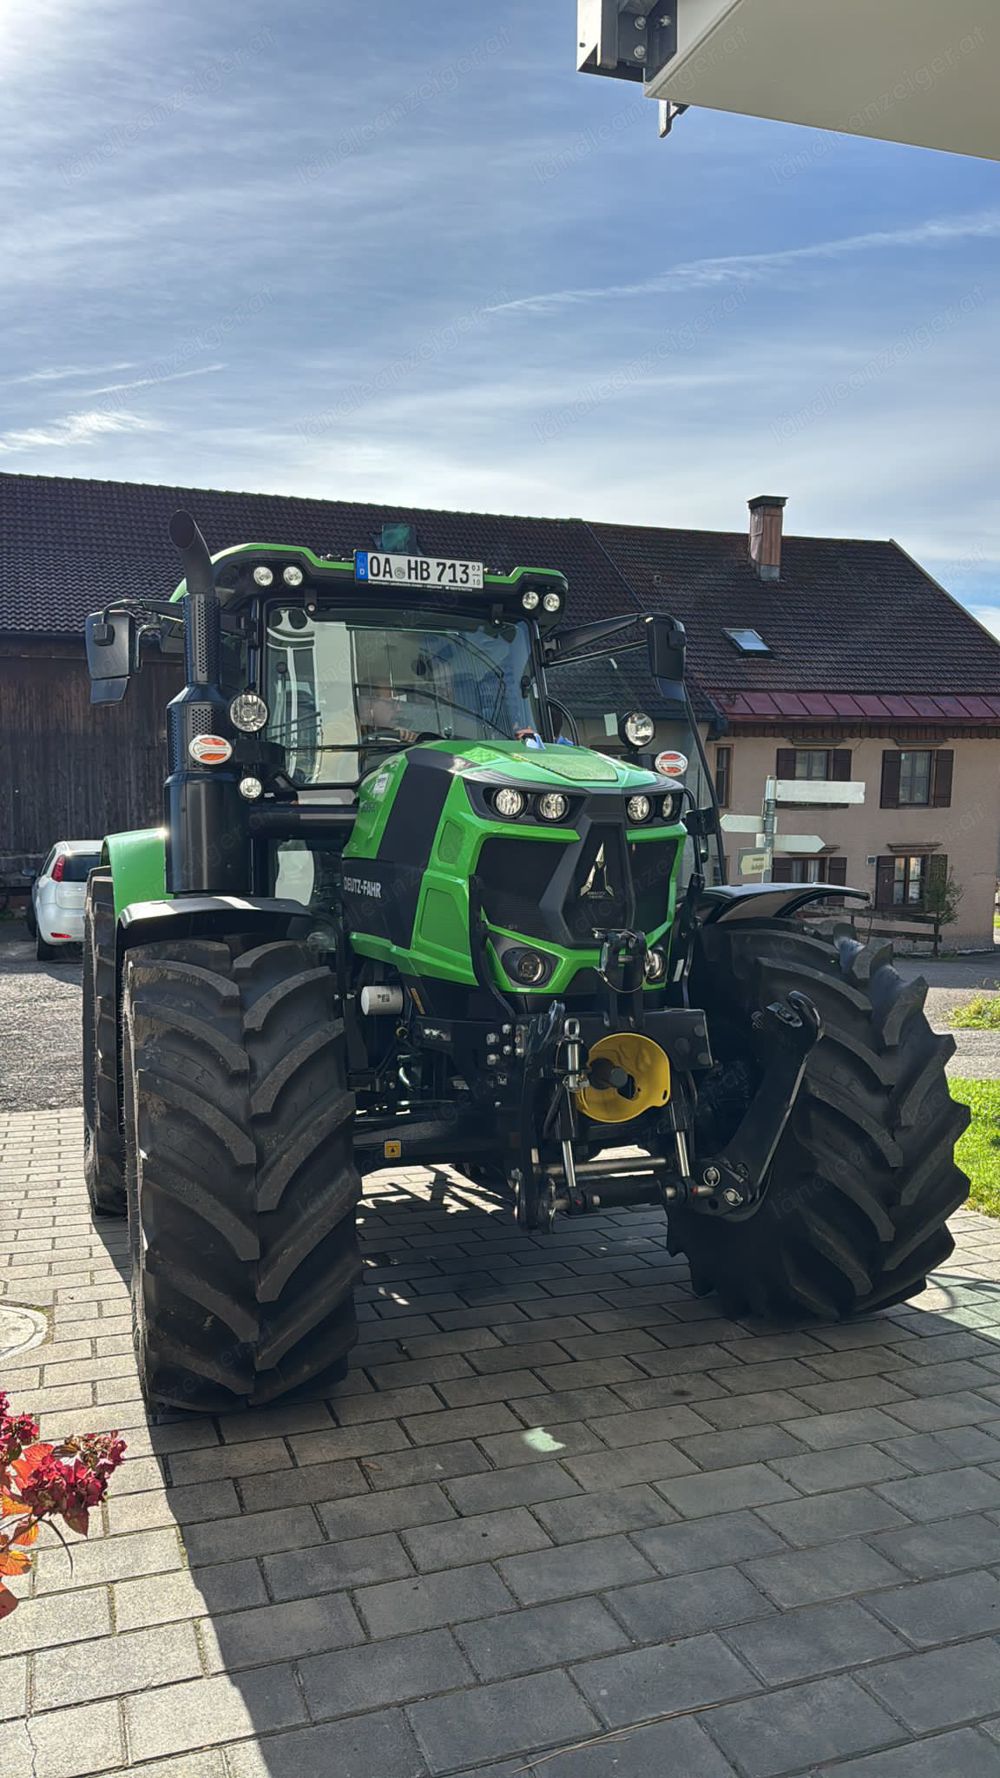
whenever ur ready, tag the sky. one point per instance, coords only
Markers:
(405, 253)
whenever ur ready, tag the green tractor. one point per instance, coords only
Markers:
(395, 913)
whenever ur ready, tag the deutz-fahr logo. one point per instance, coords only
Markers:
(363, 886)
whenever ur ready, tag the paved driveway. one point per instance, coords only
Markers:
(564, 1521)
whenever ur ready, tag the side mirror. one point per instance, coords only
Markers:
(112, 654)
(667, 643)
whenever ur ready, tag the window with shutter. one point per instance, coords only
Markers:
(836, 870)
(944, 766)
(840, 765)
(885, 877)
(783, 871)
(890, 779)
(785, 767)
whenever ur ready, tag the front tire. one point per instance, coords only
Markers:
(864, 1178)
(241, 1181)
(103, 1148)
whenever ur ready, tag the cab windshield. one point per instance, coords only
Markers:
(344, 687)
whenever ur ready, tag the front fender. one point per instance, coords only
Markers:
(138, 862)
(734, 902)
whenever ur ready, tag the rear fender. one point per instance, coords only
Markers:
(734, 903)
(211, 916)
(138, 863)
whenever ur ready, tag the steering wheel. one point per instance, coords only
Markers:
(382, 737)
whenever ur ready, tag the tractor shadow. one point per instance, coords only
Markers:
(295, 1523)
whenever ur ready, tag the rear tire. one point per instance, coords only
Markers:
(103, 1147)
(241, 1180)
(854, 1215)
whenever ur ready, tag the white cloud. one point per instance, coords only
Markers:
(61, 373)
(989, 617)
(176, 376)
(75, 429)
(743, 267)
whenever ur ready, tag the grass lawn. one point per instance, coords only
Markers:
(978, 1153)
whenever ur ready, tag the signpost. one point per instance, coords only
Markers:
(767, 841)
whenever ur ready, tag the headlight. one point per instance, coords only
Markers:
(248, 712)
(529, 600)
(656, 966)
(638, 808)
(638, 728)
(292, 576)
(531, 968)
(251, 788)
(551, 602)
(672, 806)
(508, 802)
(553, 806)
(263, 576)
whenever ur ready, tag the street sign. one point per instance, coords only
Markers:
(799, 842)
(818, 790)
(753, 864)
(741, 823)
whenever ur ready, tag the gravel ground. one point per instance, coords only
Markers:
(40, 1022)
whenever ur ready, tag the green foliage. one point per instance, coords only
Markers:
(981, 1013)
(978, 1152)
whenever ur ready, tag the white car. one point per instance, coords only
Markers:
(58, 894)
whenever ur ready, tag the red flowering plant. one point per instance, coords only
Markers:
(41, 1481)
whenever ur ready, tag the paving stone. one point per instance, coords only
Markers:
(814, 1640)
(530, 1353)
(408, 1371)
(944, 1686)
(378, 1745)
(805, 1577)
(934, 1611)
(385, 1404)
(165, 1598)
(944, 1547)
(680, 1676)
(517, 1715)
(496, 1386)
(252, 1534)
(540, 1636)
(107, 1559)
(647, 1427)
(427, 1601)
(686, 1605)
(851, 1513)
(217, 1461)
(802, 1727)
(520, 1485)
(748, 1444)
(200, 1502)
(449, 1424)
(925, 1452)
(328, 1446)
(945, 1379)
(44, 1623)
(358, 1562)
(963, 1754)
(623, 1468)
(934, 1412)
(731, 1411)
(302, 1627)
(63, 1743)
(578, 1374)
(852, 1426)
(598, 1515)
(679, 1748)
(725, 1490)
(849, 1466)
(943, 1496)
(14, 1685)
(673, 1390)
(853, 1392)
(480, 1538)
(561, 1405)
(538, 1444)
(574, 1568)
(394, 1509)
(390, 1672)
(124, 1663)
(751, 1378)
(698, 1544)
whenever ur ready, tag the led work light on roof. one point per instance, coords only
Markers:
(292, 576)
(637, 728)
(262, 575)
(551, 602)
(529, 600)
(248, 712)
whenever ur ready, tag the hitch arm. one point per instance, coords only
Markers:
(733, 1179)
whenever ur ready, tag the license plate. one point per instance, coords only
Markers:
(417, 571)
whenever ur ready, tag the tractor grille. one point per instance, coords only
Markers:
(652, 862)
(599, 891)
(515, 875)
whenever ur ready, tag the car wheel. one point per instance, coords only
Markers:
(43, 952)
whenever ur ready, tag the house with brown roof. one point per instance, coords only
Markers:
(810, 658)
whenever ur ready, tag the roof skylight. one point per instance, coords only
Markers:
(747, 641)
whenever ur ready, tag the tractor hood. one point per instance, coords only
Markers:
(514, 762)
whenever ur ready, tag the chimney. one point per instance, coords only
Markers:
(766, 513)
